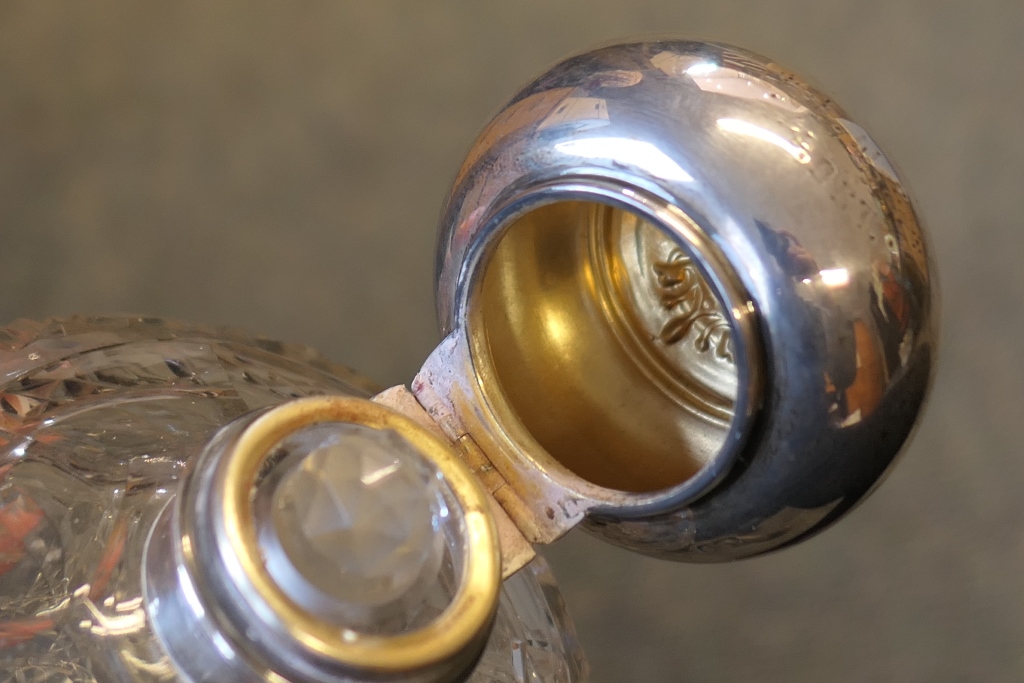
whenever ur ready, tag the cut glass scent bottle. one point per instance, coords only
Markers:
(102, 417)
(687, 306)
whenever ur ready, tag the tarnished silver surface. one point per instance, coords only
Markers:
(821, 354)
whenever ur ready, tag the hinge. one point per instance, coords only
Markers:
(516, 550)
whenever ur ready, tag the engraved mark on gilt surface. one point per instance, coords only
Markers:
(695, 311)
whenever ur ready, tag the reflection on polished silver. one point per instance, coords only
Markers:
(244, 582)
(687, 302)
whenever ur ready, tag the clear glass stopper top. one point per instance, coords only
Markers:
(351, 522)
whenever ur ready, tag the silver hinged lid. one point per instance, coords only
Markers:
(687, 302)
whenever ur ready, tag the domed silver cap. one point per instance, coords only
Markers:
(686, 298)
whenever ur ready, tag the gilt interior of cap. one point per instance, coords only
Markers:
(609, 349)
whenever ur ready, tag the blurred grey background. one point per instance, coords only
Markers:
(280, 166)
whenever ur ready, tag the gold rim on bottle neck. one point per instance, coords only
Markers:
(455, 635)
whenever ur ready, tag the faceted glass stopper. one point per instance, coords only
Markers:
(355, 518)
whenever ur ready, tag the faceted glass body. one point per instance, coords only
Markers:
(99, 417)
